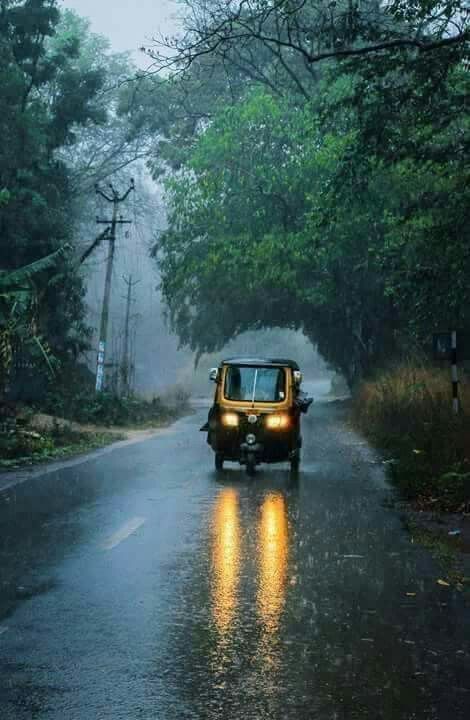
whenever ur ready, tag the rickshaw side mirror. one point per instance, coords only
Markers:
(297, 378)
(305, 404)
(214, 375)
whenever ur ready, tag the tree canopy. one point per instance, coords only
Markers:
(337, 201)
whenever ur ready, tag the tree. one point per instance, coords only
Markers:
(254, 233)
(106, 143)
(46, 97)
(337, 214)
(300, 33)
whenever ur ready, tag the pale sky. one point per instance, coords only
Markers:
(127, 24)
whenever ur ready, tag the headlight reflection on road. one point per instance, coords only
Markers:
(273, 559)
(226, 560)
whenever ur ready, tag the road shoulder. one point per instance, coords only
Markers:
(12, 478)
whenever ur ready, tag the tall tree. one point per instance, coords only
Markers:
(45, 98)
(337, 213)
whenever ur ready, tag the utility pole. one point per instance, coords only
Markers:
(126, 364)
(116, 200)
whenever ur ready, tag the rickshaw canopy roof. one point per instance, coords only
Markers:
(261, 362)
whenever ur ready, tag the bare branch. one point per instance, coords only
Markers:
(315, 31)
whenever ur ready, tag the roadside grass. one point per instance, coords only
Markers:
(71, 396)
(107, 409)
(407, 413)
(73, 419)
(443, 548)
(22, 445)
(447, 551)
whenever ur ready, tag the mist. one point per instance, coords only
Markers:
(157, 360)
(129, 27)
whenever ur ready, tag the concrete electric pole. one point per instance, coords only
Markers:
(116, 200)
(126, 363)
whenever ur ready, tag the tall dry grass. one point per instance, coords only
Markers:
(408, 413)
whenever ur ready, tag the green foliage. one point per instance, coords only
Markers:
(17, 280)
(21, 446)
(72, 396)
(4, 197)
(22, 443)
(33, 222)
(110, 410)
(343, 211)
(255, 225)
(51, 82)
(106, 141)
(19, 309)
(407, 413)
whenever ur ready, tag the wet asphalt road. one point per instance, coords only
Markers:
(139, 585)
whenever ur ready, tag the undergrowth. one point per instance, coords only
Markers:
(26, 437)
(21, 445)
(73, 397)
(407, 413)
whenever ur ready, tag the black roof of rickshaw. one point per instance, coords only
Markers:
(261, 362)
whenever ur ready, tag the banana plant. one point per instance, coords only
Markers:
(19, 312)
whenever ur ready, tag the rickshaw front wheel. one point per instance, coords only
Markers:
(219, 461)
(250, 464)
(295, 463)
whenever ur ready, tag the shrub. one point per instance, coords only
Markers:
(408, 413)
(73, 397)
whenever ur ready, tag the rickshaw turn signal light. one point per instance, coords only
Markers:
(277, 422)
(230, 420)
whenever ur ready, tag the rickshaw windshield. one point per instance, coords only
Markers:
(255, 384)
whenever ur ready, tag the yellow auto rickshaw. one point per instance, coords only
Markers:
(256, 413)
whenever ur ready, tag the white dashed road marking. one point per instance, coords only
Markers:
(128, 529)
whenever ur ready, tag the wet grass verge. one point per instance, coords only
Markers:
(448, 546)
(73, 419)
(25, 446)
(407, 414)
(83, 405)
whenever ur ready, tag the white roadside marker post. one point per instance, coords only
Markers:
(455, 375)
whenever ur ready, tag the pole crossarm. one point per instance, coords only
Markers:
(129, 281)
(115, 195)
(110, 222)
(103, 195)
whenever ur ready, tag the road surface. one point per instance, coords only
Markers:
(139, 585)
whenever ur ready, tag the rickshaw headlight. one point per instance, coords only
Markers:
(277, 422)
(230, 420)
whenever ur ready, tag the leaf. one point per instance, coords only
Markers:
(15, 278)
(44, 353)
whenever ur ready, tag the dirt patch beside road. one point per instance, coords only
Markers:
(40, 438)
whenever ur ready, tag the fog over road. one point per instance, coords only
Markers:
(141, 585)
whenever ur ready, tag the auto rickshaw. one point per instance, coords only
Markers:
(256, 413)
